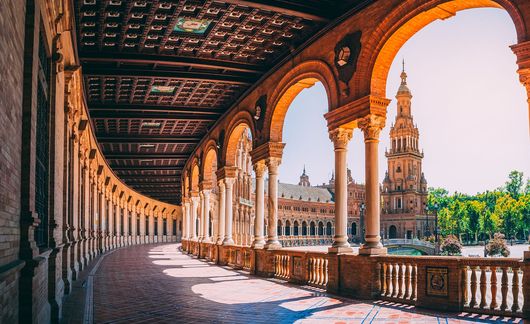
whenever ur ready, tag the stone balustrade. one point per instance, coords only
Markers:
(493, 286)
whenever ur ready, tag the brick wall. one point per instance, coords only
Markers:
(11, 73)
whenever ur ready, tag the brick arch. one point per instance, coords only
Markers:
(241, 121)
(210, 159)
(302, 76)
(402, 23)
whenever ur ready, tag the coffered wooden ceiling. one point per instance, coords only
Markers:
(159, 73)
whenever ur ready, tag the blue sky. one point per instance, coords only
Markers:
(469, 106)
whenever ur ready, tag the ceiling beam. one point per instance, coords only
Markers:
(89, 70)
(285, 8)
(147, 168)
(139, 114)
(149, 156)
(202, 111)
(171, 60)
(147, 139)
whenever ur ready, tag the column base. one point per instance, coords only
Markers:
(258, 244)
(206, 240)
(366, 250)
(228, 241)
(275, 245)
(340, 249)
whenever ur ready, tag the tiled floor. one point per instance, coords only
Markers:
(158, 284)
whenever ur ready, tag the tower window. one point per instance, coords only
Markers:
(398, 170)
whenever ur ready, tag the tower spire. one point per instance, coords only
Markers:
(403, 74)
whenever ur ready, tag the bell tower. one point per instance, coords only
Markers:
(404, 187)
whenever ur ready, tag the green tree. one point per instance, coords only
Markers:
(475, 209)
(514, 185)
(510, 214)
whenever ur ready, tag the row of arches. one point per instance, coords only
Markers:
(356, 103)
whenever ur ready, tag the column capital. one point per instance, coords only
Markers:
(205, 185)
(340, 137)
(371, 125)
(259, 168)
(226, 172)
(229, 182)
(273, 163)
(267, 150)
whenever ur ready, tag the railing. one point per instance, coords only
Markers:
(282, 268)
(492, 286)
(305, 240)
(408, 242)
(318, 270)
(398, 279)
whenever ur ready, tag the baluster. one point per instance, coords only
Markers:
(473, 301)
(388, 277)
(463, 287)
(504, 288)
(493, 284)
(414, 279)
(382, 279)
(326, 273)
(319, 270)
(407, 281)
(515, 289)
(400, 280)
(389, 280)
(288, 265)
(483, 287)
(310, 270)
(394, 280)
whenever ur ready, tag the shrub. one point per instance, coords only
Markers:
(497, 246)
(451, 246)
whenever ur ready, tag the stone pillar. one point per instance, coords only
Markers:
(187, 216)
(272, 238)
(169, 224)
(221, 213)
(160, 228)
(200, 215)
(259, 240)
(142, 226)
(151, 224)
(111, 223)
(134, 228)
(184, 221)
(206, 216)
(229, 182)
(103, 222)
(126, 238)
(194, 205)
(340, 138)
(118, 224)
(371, 127)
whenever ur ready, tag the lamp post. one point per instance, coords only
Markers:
(362, 207)
(427, 232)
(436, 248)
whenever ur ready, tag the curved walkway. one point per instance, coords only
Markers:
(158, 284)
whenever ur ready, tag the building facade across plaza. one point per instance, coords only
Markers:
(138, 122)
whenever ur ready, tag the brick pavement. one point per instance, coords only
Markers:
(158, 284)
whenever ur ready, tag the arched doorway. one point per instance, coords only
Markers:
(392, 232)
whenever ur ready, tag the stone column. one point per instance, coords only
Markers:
(272, 237)
(187, 216)
(184, 221)
(111, 223)
(103, 221)
(160, 228)
(221, 213)
(206, 216)
(340, 138)
(200, 216)
(371, 127)
(126, 238)
(142, 226)
(117, 223)
(151, 224)
(194, 205)
(229, 182)
(134, 229)
(169, 224)
(259, 240)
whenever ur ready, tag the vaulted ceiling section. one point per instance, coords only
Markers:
(158, 74)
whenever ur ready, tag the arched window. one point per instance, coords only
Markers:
(320, 229)
(304, 228)
(287, 228)
(328, 229)
(280, 232)
(296, 228)
(312, 229)
(354, 229)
